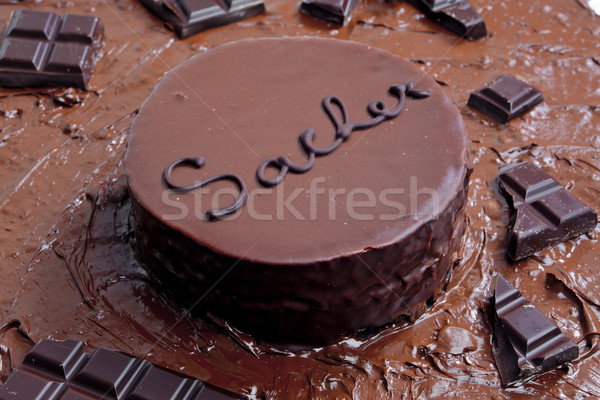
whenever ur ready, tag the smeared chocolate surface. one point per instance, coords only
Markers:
(68, 270)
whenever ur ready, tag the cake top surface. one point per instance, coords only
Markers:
(240, 104)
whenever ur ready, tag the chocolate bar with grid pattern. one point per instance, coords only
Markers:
(188, 17)
(60, 370)
(543, 212)
(41, 48)
(525, 341)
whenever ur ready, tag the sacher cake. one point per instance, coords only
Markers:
(288, 217)
(335, 238)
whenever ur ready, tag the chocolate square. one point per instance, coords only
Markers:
(505, 98)
(24, 384)
(59, 359)
(160, 384)
(23, 53)
(80, 28)
(33, 24)
(525, 341)
(110, 373)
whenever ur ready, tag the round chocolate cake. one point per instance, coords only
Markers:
(366, 232)
(69, 264)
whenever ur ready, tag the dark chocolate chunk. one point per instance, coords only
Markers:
(437, 5)
(42, 49)
(525, 341)
(61, 371)
(505, 98)
(110, 373)
(543, 212)
(214, 393)
(27, 385)
(188, 17)
(159, 381)
(336, 11)
(458, 17)
(57, 359)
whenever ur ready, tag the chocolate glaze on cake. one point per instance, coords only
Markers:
(309, 259)
(68, 269)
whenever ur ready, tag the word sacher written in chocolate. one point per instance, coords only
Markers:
(378, 110)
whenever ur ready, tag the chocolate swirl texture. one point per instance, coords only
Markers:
(66, 227)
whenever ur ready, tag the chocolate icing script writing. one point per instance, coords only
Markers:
(378, 110)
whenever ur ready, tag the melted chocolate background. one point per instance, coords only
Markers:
(68, 270)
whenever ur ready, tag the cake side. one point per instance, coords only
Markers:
(311, 304)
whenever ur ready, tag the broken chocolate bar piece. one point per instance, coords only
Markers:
(56, 370)
(188, 17)
(543, 212)
(42, 49)
(336, 11)
(505, 98)
(525, 341)
(458, 17)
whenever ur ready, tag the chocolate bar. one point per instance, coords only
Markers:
(188, 17)
(543, 212)
(505, 98)
(336, 11)
(42, 49)
(458, 17)
(525, 341)
(59, 370)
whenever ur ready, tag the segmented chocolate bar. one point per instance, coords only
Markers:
(42, 49)
(60, 370)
